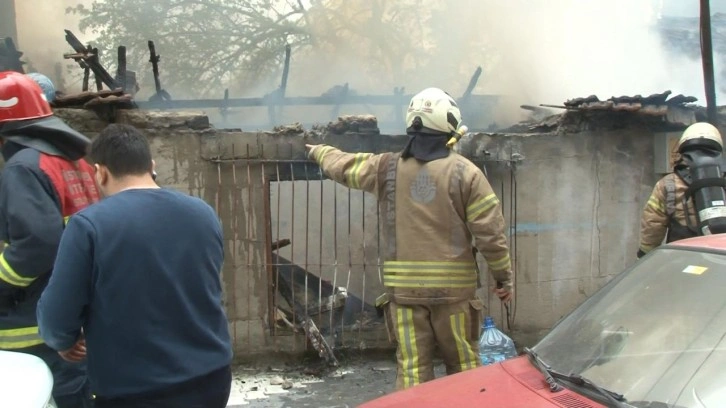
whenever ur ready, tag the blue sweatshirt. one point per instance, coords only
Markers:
(140, 273)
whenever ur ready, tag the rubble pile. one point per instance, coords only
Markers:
(656, 104)
(354, 124)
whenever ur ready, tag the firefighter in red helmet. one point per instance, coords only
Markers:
(44, 181)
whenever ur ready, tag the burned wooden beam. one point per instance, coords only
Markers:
(121, 69)
(154, 60)
(60, 84)
(280, 244)
(472, 83)
(80, 99)
(351, 99)
(96, 61)
(160, 95)
(91, 62)
(301, 315)
(10, 56)
(86, 78)
(285, 70)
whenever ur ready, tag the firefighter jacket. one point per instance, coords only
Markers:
(431, 213)
(664, 216)
(38, 193)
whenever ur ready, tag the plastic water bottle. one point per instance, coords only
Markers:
(494, 346)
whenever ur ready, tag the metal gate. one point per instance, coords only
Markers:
(326, 262)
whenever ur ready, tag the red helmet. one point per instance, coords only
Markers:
(21, 98)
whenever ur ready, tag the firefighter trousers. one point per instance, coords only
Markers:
(418, 329)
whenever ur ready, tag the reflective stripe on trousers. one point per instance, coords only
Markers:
(420, 329)
(19, 338)
(407, 343)
(425, 274)
(467, 356)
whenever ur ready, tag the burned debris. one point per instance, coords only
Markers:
(656, 104)
(10, 56)
(656, 111)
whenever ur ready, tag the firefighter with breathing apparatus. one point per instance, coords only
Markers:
(690, 201)
(434, 205)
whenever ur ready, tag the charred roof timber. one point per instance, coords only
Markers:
(655, 104)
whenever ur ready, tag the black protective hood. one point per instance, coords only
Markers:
(49, 135)
(426, 146)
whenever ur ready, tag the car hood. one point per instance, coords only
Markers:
(513, 383)
(25, 380)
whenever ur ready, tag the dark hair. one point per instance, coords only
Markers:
(123, 149)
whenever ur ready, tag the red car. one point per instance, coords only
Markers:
(653, 337)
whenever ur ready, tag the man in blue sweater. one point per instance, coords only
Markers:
(137, 282)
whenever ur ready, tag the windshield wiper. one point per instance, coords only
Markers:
(617, 400)
(544, 369)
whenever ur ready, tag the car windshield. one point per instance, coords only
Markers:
(655, 333)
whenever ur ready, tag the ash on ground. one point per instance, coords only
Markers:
(282, 385)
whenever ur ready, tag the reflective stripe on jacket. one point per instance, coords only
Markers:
(38, 194)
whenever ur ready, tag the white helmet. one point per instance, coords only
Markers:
(701, 134)
(436, 110)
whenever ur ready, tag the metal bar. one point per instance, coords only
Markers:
(271, 312)
(250, 240)
(292, 243)
(307, 236)
(350, 260)
(320, 245)
(335, 247)
(363, 290)
(709, 80)
(277, 264)
(235, 239)
(379, 263)
(350, 99)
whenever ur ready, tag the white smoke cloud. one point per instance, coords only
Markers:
(533, 51)
(553, 50)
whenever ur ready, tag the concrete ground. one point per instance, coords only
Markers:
(358, 379)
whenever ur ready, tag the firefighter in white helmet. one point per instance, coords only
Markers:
(434, 204)
(665, 216)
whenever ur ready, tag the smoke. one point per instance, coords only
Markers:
(41, 38)
(551, 51)
(531, 51)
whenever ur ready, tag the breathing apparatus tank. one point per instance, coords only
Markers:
(701, 149)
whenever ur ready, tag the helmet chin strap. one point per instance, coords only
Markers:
(456, 136)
